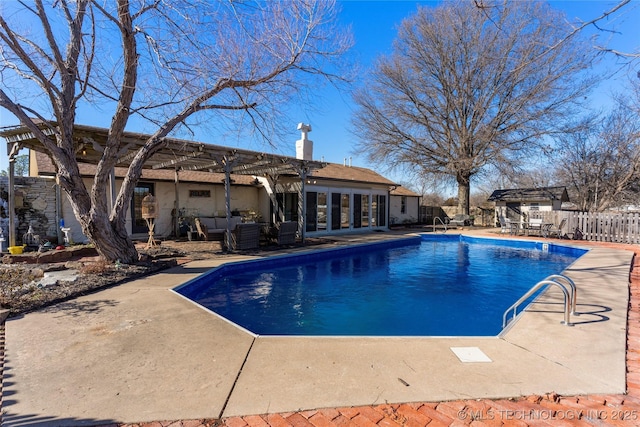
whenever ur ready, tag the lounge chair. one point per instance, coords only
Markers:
(285, 233)
(245, 236)
(460, 220)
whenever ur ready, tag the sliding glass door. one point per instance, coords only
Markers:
(342, 210)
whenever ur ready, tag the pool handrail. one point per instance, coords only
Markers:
(569, 297)
(572, 290)
(441, 222)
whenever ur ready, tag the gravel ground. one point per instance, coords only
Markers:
(20, 291)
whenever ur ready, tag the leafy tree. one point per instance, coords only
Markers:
(601, 163)
(468, 87)
(172, 63)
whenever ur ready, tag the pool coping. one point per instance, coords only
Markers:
(137, 353)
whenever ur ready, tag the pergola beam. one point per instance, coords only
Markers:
(177, 160)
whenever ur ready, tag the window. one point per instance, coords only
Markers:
(287, 206)
(341, 209)
(357, 210)
(199, 193)
(403, 204)
(335, 211)
(379, 210)
(365, 210)
(322, 211)
(344, 211)
(374, 211)
(311, 220)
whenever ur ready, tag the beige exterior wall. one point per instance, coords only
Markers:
(70, 221)
(243, 199)
(410, 214)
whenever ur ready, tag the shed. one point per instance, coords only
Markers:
(404, 206)
(518, 204)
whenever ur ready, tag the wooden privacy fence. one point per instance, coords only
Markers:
(598, 226)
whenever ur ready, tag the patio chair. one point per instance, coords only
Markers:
(512, 226)
(504, 226)
(548, 230)
(285, 233)
(245, 236)
(535, 226)
(460, 220)
(577, 234)
(202, 229)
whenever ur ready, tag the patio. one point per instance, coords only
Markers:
(138, 352)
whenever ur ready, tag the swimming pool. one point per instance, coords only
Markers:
(433, 285)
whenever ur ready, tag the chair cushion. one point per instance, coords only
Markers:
(209, 222)
(221, 223)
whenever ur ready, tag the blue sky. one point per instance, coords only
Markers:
(374, 26)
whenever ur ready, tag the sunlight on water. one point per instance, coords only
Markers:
(438, 286)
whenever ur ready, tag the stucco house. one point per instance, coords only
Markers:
(189, 180)
(519, 204)
(404, 206)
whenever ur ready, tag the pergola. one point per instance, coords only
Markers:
(175, 154)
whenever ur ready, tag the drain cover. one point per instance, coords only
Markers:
(470, 354)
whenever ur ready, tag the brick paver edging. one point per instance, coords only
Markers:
(3, 317)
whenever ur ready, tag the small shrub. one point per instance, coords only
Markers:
(97, 267)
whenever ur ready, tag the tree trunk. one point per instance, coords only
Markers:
(464, 192)
(111, 241)
(109, 237)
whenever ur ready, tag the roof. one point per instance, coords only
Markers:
(338, 172)
(542, 194)
(331, 171)
(194, 161)
(402, 191)
(175, 154)
(45, 168)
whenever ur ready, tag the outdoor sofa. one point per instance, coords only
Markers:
(213, 228)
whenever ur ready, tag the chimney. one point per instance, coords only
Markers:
(304, 146)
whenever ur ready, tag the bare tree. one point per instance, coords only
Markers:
(467, 87)
(601, 164)
(167, 61)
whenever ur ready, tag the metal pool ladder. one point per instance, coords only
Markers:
(441, 222)
(561, 282)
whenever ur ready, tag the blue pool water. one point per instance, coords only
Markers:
(437, 285)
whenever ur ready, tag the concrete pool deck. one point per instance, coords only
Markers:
(139, 352)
